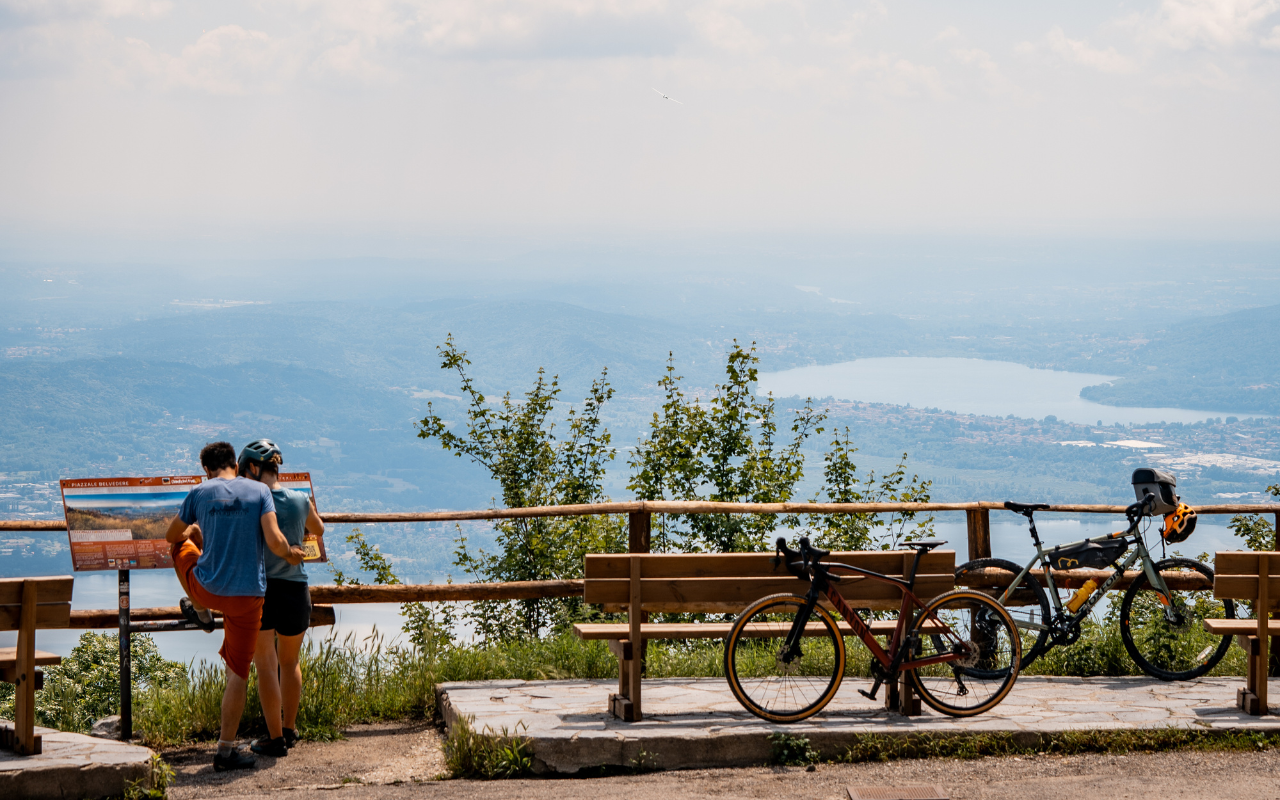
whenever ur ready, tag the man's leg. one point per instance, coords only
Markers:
(185, 554)
(232, 707)
(264, 658)
(288, 648)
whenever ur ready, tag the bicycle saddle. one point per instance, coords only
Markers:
(1023, 508)
(925, 544)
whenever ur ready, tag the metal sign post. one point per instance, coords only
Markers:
(126, 667)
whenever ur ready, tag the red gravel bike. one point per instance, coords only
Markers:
(785, 656)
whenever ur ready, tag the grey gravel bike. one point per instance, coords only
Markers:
(1159, 625)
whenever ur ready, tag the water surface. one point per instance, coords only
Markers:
(969, 386)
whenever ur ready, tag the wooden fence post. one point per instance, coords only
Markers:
(979, 533)
(639, 524)
(1273, 668)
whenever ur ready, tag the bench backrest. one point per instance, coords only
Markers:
(1236, 576)
(727, 582)
(53, 602)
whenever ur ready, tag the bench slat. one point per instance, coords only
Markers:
(707, 630)
(1240, 627)
(1230, 562)
(9, 658)
(736, 565)
(1244, 587)
(736, 592)
(53, 589)
(48, 615)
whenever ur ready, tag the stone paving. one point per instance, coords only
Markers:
(72, 765)
(697, 722)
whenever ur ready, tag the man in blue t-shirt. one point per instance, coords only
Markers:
(217, 542)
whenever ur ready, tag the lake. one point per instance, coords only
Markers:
(968, 386)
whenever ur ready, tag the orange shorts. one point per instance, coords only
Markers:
(241, 616)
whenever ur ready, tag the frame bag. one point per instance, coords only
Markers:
(1092, 555)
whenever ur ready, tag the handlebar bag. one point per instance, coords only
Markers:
(1092, 555)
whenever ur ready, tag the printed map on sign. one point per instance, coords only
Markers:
(119, 523)
(314, 545)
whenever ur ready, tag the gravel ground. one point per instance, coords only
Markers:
(401, 760)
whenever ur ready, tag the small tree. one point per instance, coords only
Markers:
(841, 484)
(516, 441)
(724, 450)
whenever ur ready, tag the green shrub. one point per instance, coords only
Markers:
(486, 755)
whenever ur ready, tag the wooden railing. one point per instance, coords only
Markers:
(639, 515)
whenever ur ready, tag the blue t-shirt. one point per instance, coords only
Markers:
(229, 513)
(291, 512)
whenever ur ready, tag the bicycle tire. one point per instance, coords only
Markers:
(998, 650)
(759, 678)
(1154, 641)
(1038, 611)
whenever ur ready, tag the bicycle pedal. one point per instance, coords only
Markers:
(871, 695)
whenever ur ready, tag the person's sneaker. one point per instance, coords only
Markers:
(236, 759)
(276, 748)
(290, 737)
(189, 611)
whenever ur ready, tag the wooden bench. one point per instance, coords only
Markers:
(1238, 576)
(726, 584)
(28, 605)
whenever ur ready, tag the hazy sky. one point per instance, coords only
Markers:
(393, 124)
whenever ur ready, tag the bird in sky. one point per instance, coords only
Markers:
(672, 99)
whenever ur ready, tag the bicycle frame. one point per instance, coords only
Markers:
(1041, 557)
(890, 660)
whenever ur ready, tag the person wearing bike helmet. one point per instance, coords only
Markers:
(286, 608)
(217, 542)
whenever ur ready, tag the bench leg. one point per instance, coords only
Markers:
(1247, 699)
(26, 742)
(901, 698)
(620, 704)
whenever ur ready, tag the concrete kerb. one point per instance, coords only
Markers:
(73, 765)
(568, 730)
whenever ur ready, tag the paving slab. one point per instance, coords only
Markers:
(696, 722)
(72, 765)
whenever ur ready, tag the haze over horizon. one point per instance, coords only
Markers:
(157, 130)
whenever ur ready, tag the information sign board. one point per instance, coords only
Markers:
(120, 523)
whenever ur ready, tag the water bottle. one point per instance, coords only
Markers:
(1081, 595)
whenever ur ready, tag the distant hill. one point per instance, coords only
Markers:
(1229, 362)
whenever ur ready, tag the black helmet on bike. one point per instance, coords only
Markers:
(262, 452)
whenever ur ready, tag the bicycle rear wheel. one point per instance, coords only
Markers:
(978, 627)
(1180, 650)
(771, 682)
(1027, 604)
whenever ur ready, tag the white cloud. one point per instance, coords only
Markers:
(992, 76)
(1184, 24)
(1080, 52)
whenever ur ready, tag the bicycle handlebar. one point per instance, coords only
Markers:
(810, 558)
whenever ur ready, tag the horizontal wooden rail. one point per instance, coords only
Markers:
(452, 592)
(692, 507)
(95, 618)
(993, 578)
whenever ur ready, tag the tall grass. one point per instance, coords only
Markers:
(351, 681)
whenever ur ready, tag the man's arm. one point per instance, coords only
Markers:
(315, 525)
(177, 531)
(276, 542)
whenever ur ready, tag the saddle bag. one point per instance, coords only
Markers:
(1091, 555)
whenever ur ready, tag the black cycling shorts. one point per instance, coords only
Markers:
(287, 607)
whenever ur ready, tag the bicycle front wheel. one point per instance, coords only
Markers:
(1178, 649)
(980, 630)
(773, 681)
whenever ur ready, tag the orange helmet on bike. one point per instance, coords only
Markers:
(1179, 525)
